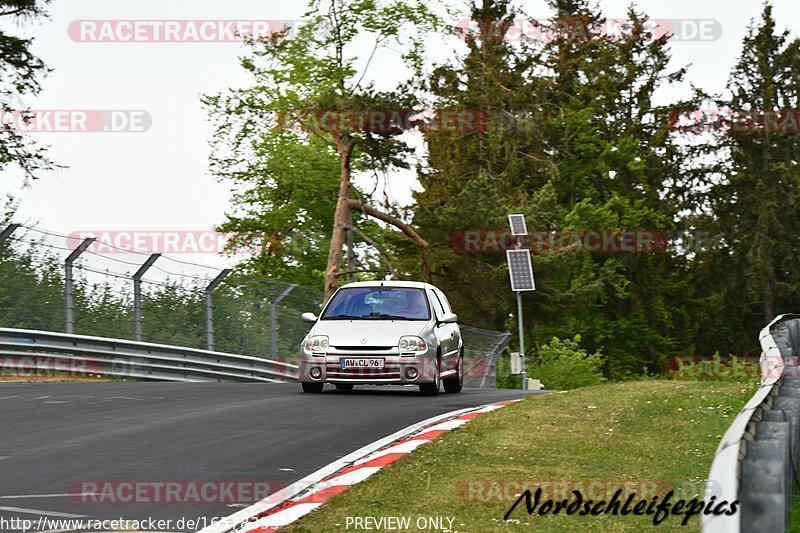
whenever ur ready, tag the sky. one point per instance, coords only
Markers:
(158, 179)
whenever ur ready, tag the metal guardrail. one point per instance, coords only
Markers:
(481, 349)
(44, 354)
(755, 461)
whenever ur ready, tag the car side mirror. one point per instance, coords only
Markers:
(309, 317)
(449, 318)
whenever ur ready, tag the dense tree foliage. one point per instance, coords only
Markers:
(563, 129)
(308, 113)
(752, 272)
(20, 75)
(575, 143)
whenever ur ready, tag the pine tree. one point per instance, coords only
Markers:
(473, 175)
(588, 150)
(618, 169)
(753, 273)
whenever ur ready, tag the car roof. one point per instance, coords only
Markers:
(408, 284)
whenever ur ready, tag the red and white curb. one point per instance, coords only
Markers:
(302, 497)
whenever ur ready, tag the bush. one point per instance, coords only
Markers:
(563, 365)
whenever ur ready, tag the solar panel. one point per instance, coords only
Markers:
(517, 223)
(520, 270)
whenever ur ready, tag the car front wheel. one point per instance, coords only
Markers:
(456, 383)
(431, 389)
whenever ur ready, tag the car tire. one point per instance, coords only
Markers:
(344, 387)
(312, 387)
(457, 383)
(431, 389)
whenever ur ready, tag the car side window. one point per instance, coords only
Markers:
(437, 305)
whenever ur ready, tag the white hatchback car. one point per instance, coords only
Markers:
(384, 332)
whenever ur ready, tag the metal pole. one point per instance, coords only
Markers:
(521, 342)
(521, 333)
(210, 307)
(69, 319)
(137, 295)
(273, 319)
(6, 233)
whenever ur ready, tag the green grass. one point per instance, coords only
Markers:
(647, 437)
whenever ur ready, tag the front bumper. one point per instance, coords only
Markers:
(395, 369)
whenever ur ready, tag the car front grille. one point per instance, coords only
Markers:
(362, 348)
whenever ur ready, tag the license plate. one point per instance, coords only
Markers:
(361, 362)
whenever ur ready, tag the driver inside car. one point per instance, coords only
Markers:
(415, 305)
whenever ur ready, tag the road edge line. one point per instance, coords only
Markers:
(240, 520)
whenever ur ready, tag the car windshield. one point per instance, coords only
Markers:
(378, 303)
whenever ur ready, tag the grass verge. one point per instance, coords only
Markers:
(646, 437)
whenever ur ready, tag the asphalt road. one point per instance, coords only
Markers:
(70, 450)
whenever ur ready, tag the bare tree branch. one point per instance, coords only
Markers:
(375, 245)
(389, 219)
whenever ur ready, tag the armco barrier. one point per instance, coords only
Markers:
(755, 462)
(42, 353)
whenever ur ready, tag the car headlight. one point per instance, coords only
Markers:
(412, 344)
(316, 343)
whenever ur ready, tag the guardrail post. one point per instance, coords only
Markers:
(69, 319)
(137, 295)
(273, 319)
(210, 307)
(6, 233)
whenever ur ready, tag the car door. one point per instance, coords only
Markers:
(440, 332)
(446, 333)
(455, 331)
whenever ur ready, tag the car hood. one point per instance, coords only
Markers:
(376, 332)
